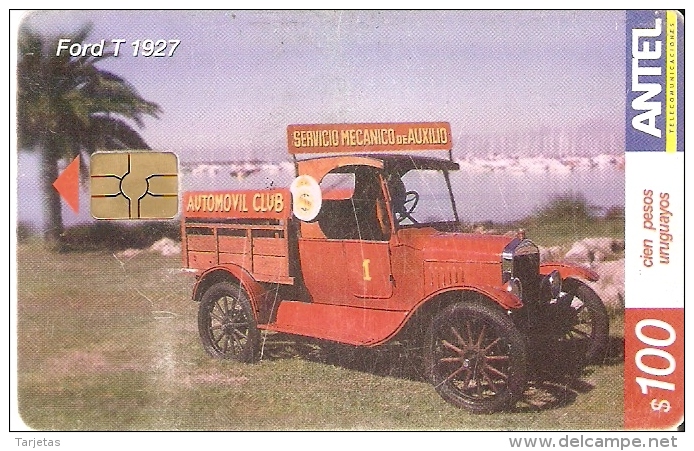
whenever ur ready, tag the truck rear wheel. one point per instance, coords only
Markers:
(226, 323)
(475, 357)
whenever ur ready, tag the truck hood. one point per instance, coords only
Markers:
(462, 247)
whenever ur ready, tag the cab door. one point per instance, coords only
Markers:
(368, 267)
(349, 261)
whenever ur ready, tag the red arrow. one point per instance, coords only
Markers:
(67, 184)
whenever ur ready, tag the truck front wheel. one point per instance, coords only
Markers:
(475, 357)
(587, 326)
(226, 323)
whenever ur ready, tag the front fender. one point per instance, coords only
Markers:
(506, 300)
(231, 272)
(566, 270)
(502, 297)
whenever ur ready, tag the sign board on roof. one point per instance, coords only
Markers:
(378, 137)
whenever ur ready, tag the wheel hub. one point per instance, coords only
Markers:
(476, 362)
(472, 358)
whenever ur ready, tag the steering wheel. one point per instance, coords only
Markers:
(411, 201)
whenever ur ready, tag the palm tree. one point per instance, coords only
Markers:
(66, 107)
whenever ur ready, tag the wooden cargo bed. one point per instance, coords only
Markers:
(260, 248)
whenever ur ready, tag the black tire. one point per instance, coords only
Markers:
(588, 330)
(475, 357)
(226, 323)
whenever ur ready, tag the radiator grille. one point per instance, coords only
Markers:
(527, 269)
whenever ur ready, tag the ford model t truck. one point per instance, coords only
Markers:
(366, 248)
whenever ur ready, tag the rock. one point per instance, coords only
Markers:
(128, 253)
(610, 287)
(580, 253)
(166, 247)
(481, 229)
(594, 250)
(551, 254)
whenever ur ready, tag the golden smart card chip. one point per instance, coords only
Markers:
(137, 185)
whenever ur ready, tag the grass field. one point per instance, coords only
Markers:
(567, 219)
(111, 344)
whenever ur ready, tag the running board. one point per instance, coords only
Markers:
(344, 324)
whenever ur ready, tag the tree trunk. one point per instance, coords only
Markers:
(53, 215)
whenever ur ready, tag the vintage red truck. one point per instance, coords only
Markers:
(363, 250)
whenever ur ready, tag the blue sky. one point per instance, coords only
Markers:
(238, 79)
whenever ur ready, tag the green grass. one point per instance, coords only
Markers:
(111, 344)
(565, 232)
(566, 219)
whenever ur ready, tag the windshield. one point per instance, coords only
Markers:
(420, 197)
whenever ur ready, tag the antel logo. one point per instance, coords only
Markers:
(645, 47)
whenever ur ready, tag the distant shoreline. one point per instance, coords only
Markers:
(496, 188)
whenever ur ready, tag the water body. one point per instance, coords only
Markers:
(495, 192)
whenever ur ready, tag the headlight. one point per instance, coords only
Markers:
(514, 287)
(552, 283)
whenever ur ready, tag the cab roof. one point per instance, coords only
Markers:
(404, 163)
(389, 162)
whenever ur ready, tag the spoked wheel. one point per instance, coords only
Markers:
(226, 323)
(586, 325)
(475, 357)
